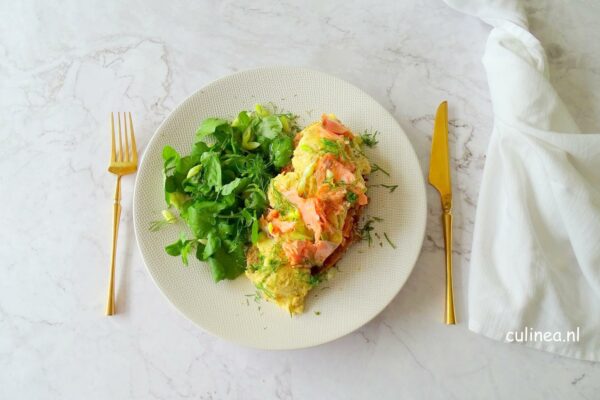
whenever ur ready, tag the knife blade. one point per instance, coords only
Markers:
(439, 178)
(439, 165)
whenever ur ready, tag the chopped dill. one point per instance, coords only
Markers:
(388, 240)
(274, 264)
(369, 139)
(351, 197)
(314, 280)
(391, 188)
(379, 239)
(375, 168)
(366, 232)
(257, 297)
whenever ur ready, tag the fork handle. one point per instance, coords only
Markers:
(110, 301)
(449, 317)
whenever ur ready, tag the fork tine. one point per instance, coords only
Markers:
(133, 146)
(113, 156)
(127, 158)
(120, 156)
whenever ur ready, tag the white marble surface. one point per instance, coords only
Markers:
(64, 66)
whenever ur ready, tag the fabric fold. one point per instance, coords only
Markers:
(535, 262)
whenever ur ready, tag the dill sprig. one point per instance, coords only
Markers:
(366, 231)
(388, 240)
(369, 139)
(376, 167)
(391, 188)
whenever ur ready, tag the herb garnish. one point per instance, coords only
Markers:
(375, 168)
(314, 280)
(388, 240)
(366, 230)
(369, 138)
(391, 188)
(219, 189)
(351, 197)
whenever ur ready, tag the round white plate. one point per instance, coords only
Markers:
(369, 276)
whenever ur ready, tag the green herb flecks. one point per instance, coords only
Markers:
(351, 197)
(375, 168)
(255, 296)
(369, 139)
(330, 146)
(314, 280)
(391, 188)
(388, 240)
(366, 231)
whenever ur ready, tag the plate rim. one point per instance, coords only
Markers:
(136, 189)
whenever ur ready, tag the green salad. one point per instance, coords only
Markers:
(219, 188)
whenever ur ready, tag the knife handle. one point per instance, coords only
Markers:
(449, 317)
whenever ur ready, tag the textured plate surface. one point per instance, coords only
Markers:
(368, 277)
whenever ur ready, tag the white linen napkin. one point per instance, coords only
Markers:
(535, 264)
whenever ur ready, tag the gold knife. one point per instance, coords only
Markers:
(439, 178)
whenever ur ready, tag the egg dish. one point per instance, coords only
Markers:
(313, 209)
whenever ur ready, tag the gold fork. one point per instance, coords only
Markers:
(122, 162)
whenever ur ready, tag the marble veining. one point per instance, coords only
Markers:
(64, 66)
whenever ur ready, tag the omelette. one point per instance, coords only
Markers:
(314, 206)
